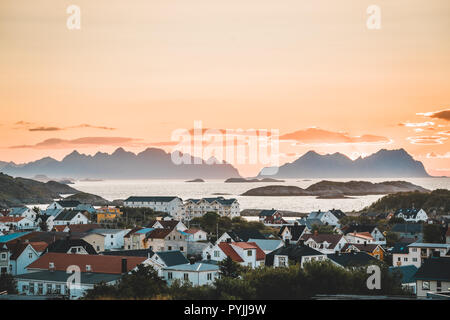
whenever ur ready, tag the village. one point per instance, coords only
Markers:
(190, 241)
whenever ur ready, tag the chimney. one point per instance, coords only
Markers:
(124, 266)
(286, 242)
(88, 268)
(51, 266)
(316, 232)
(191, 260)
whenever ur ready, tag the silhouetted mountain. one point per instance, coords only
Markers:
(151, 163)
(382, 164)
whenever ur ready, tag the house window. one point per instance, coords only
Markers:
(181, 248)
(414, 259)
(30, 255)
(169, 275)
(282, 261)
(58, 289)
(186, 276)
(216, 254)
(426, 285)
(209, 277)
(439, 286)
(249, 253)
(31, 288)
(414, 249)
(49, 288)
(24, 288)
(3, 256)
(405, 259)
(169, 248)
(40, 288)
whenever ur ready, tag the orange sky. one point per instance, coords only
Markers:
(139, 69)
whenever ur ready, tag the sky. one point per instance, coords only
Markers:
(138, 70)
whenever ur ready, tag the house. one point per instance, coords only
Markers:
(22, 254)
(135, 238)
(164, 259)
(433, 276)
(292, 252)
(377, 235)
(272, 218)
(168, 224)
(67, 217)
(338, 213)
(326, 217)
(114, 238)
(408, 230)
(22, 212)
(418, 252)
(352, 259)
(293, 233)
(74, 246)
(400, 254)
(165, 240)
(309, 223)
(240, 235)
(17, 223)
(86, 262)
(4, 259)
(359, 238)
(325, 243)
(245, 253)
(96, 240)
(171, 205)
(196, 235)
(267, 245)
(197, 274)
(54, 283)
(375, 250)
(64, 204)
(194, 208)
(407, 276)
(108, 214)
(77, 228)
(411, 214)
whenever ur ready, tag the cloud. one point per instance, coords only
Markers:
(433, 155)
(320, 136)
(442, 114)
(419, 124)
(45, 129)
(85, 125)
(426, 140)
(56, 143)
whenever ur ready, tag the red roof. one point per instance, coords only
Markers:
(229, 251)
(39, 246)
(10, 219)
(83, 227)
(98, 263)
(59, 228)
(159, 233)
(260, 255)
(192, 231)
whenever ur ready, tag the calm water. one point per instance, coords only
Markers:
(122, 189)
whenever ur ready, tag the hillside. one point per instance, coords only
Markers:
(333, 189)
(18, 191)
(88, 198)
(384, 163)
(437, 200)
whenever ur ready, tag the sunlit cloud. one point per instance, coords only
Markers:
(433, 155)
(419, 124)
(426, 140)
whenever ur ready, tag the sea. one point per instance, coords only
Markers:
(122, 189)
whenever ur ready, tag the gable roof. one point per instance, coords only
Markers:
(99, 263)
(167, 224)
(332, 239)
(12, 236)
(363, 235)
(63, 246)
(9, 219)
(434, 269)
(358, 228)
(267, 244)
(409, 213)
(68, 203)
(293, 251)
(150, 199)
(67, 215)
(158, 233)
(244, 235)
(369, 247)
(295, 230)
(193, 231)
(17, 248)
(338, 213)
(400, 248)
(230, 252)
(354, 259)
(83, 227)
(407, 273)
(267, 213)
(39, 246)
(260, 255)
(172, 258)
(17, 211)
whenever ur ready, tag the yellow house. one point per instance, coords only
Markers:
(108, 213)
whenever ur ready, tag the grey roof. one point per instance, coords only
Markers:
(407, 273)
(430, 245)
(68, 203)
(17, 211)
(67, 215)
(197, 267)
(267, 244)
(309, 223)
(130, 253)
(221, 200)
(63, 246)
(295, 230)
(61, 276)
(172, 258)
(293, 251)
(267, 213)
(150, 199)
(434, 269)
(52, 212)
(353, 259)
(107, 231)
(400, 248)
(244, 235)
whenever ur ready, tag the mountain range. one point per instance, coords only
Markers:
(151, 163)
(382, 164)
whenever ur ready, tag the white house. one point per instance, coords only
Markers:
(114, 238)
(70, 217)
(194, 208)
(21, 255)
(196, 235)
(326, 217)
(377, 235)
(22, 212)
(245, 253)
(359, 238)
(293, 233)
(17, 223)
(412, 215)
(169, 224)
(164, 259)
(325, 243)
(64, 204)
(171, 205)
(299, 253)
(198, 274)
(415, 253)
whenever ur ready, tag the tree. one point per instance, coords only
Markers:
(229, 268)
(323, 229)
(101, 291)
(8, 283)
(391, 238)
(141, 283)
(432, 233)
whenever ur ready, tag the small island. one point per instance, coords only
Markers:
(337, 190)
(239, 180)
(196, 180)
